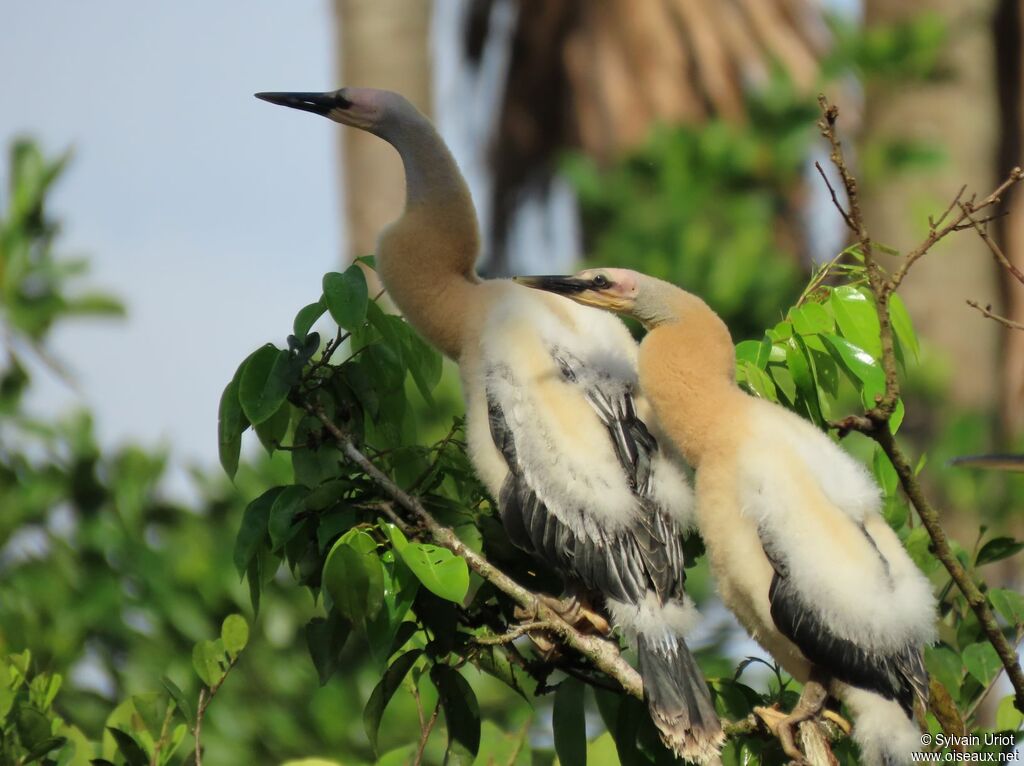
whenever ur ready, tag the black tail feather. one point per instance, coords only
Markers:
(678, 698)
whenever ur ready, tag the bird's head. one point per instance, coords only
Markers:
(610, 289)
(369, 109)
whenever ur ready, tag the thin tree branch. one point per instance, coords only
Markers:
(875, 422)
(604, 654)
(937, 233)
(994, 248)
(198, 730)
(835, 200)
(513, 633)
(987, 311)
(425, 734)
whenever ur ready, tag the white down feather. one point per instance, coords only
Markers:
(811, 502)
(563, 448)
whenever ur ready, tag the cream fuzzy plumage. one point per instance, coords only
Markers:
(554, 421)
(793, 533)
(790, 522)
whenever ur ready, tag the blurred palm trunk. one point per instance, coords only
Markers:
(954, 112)
(381, 44)
(597, 75)
(1008, 27)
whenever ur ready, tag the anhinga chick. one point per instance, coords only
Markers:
(791, 523)
(554, 422)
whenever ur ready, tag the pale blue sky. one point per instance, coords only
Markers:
(212, 214)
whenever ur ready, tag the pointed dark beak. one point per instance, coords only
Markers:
(317, 103)
(556, 284)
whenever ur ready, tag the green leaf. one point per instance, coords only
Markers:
(569, 724)
(307, 317)
(231, 423)
(133, 753)
(811, 319)
(325, 639)
(253, 532)
(997, 549)
(982, 662)
(281, 524)
(179, 699)
(209, 662)
(265, 381)
(441, 571)
(756, 352)
(347, 296)
(32, 725)
(799, 365)
(885, 473)
(861, 366)
(354, 577)
(41, 749)
(150, 708)
(424, 363)
(903, 326)
(400, 589)
(857, 319)
(896, 419)
(384, 691)
(1008, 717)
(759, 382)
(784, 382)
(946, 666)
(234, 633)
(918, 545)
(271, 432)
(1009, 604)
(461, 715)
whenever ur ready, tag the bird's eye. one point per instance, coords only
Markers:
(600, 281)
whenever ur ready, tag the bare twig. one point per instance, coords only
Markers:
(835, 200)
(425, 734)
(205, 698)
(937, 232)
(517, 632)
(875, 422)
(198, 730)
(987, 311)
(994, 248)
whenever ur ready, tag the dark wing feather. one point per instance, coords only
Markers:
(655, 535)
(898, 676)
(621, 565)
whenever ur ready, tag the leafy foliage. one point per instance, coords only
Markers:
(109, 582)
(426, 620)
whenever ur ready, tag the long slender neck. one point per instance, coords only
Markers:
(426, 257)
(687, 369)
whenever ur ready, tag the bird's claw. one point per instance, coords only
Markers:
(809, 707)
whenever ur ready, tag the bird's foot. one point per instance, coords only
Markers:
(576, 610)
(809, 706)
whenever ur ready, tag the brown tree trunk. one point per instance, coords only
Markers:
(1009, 36)
(381, 44)
(954, 112)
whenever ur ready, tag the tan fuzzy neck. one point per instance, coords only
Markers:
(687, 369)
(426, 257)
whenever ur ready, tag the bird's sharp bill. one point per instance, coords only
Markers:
(577, 288)
(317, 103)
(563, 285)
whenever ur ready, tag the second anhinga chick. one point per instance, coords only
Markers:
(791, 522)
(556, 428)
